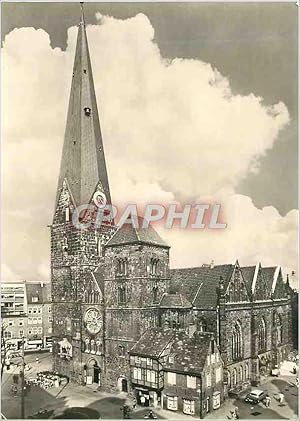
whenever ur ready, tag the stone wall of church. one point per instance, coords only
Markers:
(126, 321)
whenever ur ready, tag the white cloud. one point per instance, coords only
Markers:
(172, 130)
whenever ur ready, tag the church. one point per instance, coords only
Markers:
(110, 286)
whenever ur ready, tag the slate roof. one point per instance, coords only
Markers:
(99, 277)
(248, 275)
(34, 290)
(83, 161)
(46, 292)
(127, 234)
(189, 353)
(174, 301)
(153, 342)
(268, 274)
(199, 285)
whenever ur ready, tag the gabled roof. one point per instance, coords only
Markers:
(189, 354)
(268, 274)
(248, 275)
(127, 234)
(83, 161)
(199, 285)
(99, 278)
(153, 342)
(174, 301)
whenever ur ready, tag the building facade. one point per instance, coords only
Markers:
(26, 313)
(110, 286)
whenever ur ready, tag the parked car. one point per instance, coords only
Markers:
(255, 396)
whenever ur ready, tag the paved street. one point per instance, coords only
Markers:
(110, 406)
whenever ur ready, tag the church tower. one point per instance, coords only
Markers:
(76, 253)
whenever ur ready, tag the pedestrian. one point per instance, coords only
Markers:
(294, 369)
(151, 415)
(134, 403)
(236, 411)
(297, 381)
(267, 401)
(37, 360)
(143, 400)
(281, 397)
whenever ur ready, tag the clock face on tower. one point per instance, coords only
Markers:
(93, 320)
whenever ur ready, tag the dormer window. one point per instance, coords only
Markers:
(87, 111)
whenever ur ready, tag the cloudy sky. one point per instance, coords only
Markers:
(197, 102)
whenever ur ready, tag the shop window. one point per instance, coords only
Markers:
(188, 407)
(172, 403)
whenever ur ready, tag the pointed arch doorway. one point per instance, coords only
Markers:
(93, 372)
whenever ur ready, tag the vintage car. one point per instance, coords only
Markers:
(255, 396)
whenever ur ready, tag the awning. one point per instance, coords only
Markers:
(35, 342)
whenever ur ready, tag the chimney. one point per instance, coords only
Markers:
(212, 264)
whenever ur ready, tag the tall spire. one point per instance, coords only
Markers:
(83, 161)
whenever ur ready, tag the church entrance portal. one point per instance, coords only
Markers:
(93, 373)
(122, 384)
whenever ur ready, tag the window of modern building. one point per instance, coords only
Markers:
(188, 407)
(171, 378)
(172, 403)
(137, 360)
(191, 382)
(7, 334)
(40, 330)
(149, 362)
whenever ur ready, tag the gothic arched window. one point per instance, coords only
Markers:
(122, 294)
(246, 372)
(153, 266)
(93, 348)
(234, 377)
(236, 342)
(241, 374)
(202, 325)
(87, 345)
(155, 294)
(278, 328)
(262, 335)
